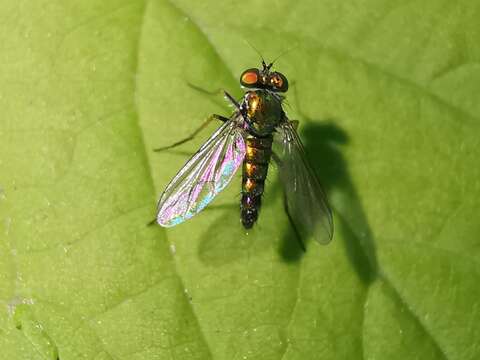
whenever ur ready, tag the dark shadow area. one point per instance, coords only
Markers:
(323, 143)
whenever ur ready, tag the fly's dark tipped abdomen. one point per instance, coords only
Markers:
(255, 168)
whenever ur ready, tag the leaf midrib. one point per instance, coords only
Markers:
(149, 167)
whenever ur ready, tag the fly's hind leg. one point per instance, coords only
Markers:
(195, 133)
(232, 100)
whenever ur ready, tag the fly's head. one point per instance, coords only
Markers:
(264, 79)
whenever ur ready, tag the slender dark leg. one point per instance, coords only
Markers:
(227, 96)
(232, 100)
(205, 91)
(152, 222)
(193, 134)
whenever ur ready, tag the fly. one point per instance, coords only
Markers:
(257, 131)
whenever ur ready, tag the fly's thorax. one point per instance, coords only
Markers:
(263, 110)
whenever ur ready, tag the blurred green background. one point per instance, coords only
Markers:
(388, 98)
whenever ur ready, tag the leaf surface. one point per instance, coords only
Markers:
(387, 98)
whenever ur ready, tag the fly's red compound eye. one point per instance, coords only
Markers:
(278, 82)
(250, 78)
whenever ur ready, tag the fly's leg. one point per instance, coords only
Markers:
(227, 96)
(232, 100)
(205, 91)
(193, 134)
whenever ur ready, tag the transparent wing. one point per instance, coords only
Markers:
(305, 199)
(206, 174)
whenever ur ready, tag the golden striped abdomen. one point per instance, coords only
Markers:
(255, 168)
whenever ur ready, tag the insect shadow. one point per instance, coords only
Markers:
(323, 143)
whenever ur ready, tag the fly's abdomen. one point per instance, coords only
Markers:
(255, 168)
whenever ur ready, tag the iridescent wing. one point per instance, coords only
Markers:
(206, 174)
(305, 199)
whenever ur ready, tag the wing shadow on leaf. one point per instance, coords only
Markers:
(323, 141)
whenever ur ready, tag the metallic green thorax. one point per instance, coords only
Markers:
(264, 111)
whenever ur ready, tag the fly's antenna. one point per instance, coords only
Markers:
(285, 52)
(258, 52)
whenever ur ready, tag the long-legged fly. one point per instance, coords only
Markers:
(257, 131)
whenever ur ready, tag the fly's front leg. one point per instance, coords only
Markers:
(226, 95)
(205, 91)
(193, 134)
(232, 100)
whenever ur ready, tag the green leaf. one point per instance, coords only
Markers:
(387, 98)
